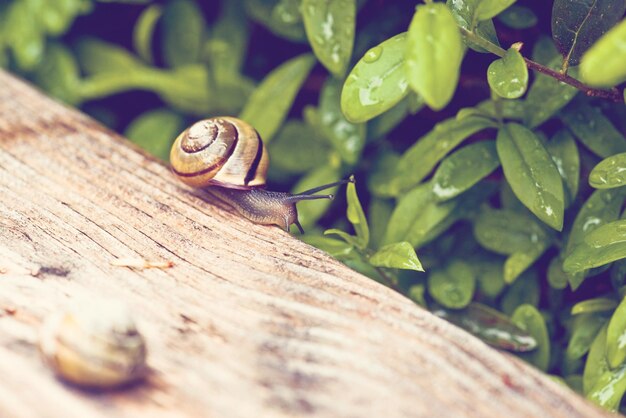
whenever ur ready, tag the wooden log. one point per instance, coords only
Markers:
(249, 321)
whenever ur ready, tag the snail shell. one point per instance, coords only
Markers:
(96, 345)
(222, 151)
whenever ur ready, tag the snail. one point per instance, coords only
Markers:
(227, 157)
(94, 345)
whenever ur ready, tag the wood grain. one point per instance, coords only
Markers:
(249, 322)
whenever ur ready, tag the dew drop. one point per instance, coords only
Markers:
(373, 54)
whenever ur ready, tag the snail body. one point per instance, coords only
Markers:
(227, 157)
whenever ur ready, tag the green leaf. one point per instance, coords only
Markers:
(330, 28)
(491, 326)
(453, 286)
(576, 25)
(377, 82)
(416, 294)
(593, 129)
(547, 95)
(23, 34)
(584, 330)
(431, 74)
(603, 245)
(346, 137)
(532, 174)
(609, 389)
(596, 364)
(183, 32)
(419, 160)
(528, 318)
(155, 131)
(564, 153)
(226, 48)
(282, 17)
(603, 65)
(594, 305)
(486, 9)
(518, 17)
(508, 76)
(298, 148)
(379, 213)
(616, 337)
(524, 290)
(309, 214)
(464, 13)
(97, 57)
(400, 255)
(381, 125)
(463, 169)
(58, 74)
(557, 278)
(488, 271)
(609, 173)
(336, 248)
(143, 31)
(356, 216)
(269, 104)
(350, 239)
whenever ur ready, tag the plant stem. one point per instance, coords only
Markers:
(612, 94)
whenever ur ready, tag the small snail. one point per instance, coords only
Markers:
(94, 345)
(226, 156)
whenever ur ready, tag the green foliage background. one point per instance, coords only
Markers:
(508, 183)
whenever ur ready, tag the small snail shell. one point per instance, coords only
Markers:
(96, 345)
(226, 156)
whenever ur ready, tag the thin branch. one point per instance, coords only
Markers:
(612, 94)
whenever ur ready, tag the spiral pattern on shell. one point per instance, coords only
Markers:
(221, 151)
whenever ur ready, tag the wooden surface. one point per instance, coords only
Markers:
(249, 322)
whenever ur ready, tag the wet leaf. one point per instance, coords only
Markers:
(594, 305)
(616, 337)
(432, 75)
(609, 388)
(346, 137)
(143, 31)
(596, 364)
(463, 169)
(576, 25)
(155, 131)
(183, 32)
(603, 245)
(532, 174)
(528, 318)
(330, 27)
(593, 129)
(309, 213)
(400, 255)
(609, 173)
(282, 17)
(269, 104)
(508, 76)
(464, 13)
(518, 17)
(491, 326)
(452, 286)
(564, 153)
(603, 64)
(584, 330)
(377, 82)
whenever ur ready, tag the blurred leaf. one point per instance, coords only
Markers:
(524, 290)
(226, 49)
(616, 337)
(356, 216)
(347, 138)
(377, 82)
(453, 286)
(313, 210)
(330, 27)
(143, 31)
(486, 9)
(508, 76)
(593, 129)
(518, 17)
(596, 363)
(379, 213)
(23, 34)
(564, 153)
(594, 305)
(489, 275)
(432, 75)
(183, 32)
(578, 24)
(383, 124)
(155, 131)
(508, 109)
(532, 174)
(334, 247)
(491, 326)
(97, 57)
(609, 388)
(407, 212)
(528, 318)
(584, 330)
(282, 17)
(601, 246)
(464, 13)
(58, 74)
(547, 95)
(557, 278)
(603, 65)
(298, 148)
(400, 255)
(463, 169)
(609, 173)
(269, 104)
(56, 16)
(545, 52)
(416, 294)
